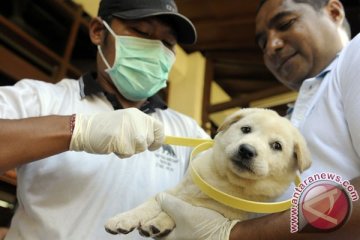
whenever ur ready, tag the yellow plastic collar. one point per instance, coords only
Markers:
(224, 198)
(188, 142)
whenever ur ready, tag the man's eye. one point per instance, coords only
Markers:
(286, 25)
(246, 129)
(276, 146)
(141, 32)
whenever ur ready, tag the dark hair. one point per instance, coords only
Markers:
(317, 5)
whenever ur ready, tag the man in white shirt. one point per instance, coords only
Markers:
(104, 118)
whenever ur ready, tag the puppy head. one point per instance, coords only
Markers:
(259, 144)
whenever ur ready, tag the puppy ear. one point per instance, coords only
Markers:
(233, 118)
(236, 116)
(302, 153)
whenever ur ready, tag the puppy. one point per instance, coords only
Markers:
(255, 156)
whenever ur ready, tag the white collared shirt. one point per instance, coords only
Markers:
(70, 196)
(327, 112)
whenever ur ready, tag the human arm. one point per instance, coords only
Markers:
(29, 139)
(277, 226)
(270, 227)
(124, 132)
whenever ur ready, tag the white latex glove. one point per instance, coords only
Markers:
(194, 222)
(123, 132)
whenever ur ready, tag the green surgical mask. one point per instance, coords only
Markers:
(141, 66)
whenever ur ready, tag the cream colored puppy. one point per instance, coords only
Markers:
(255, 156)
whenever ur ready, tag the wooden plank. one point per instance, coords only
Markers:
(70, 44)
(247, 71)
(19, 36)
(246, 85)
(209, 77)
(244, 100)
(220, 35)
(219, 9)
(236, 56)
(18, 68)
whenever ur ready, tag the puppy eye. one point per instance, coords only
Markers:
(276, 146)
(246, 129)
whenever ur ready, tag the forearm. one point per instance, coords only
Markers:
(26, 140)
(277, 226)
(124, 132)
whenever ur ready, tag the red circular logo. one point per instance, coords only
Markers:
(325, 205)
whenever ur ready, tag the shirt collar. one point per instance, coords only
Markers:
(89, 86)
(328, 69)
(318, 78)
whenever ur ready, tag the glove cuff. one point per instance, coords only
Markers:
(76, 122)
(72, 123)
(231, 224)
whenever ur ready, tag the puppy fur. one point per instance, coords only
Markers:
(256, 155)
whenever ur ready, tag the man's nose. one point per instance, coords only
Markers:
(274, 44)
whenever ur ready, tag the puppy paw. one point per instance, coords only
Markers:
(159, 226)
(126, 222)
(122, 223)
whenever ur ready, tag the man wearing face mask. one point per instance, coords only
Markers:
(113, 113)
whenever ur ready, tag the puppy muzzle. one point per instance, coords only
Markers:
(245, 156)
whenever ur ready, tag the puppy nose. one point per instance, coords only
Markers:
(247, 151)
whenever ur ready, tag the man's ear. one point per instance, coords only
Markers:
(336, 11)
(97, 31)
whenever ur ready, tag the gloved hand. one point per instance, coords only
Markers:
(123, 132)
(194, 222)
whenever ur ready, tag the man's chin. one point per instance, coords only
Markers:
(289, 77)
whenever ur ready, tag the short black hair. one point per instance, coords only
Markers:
(317, 5)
